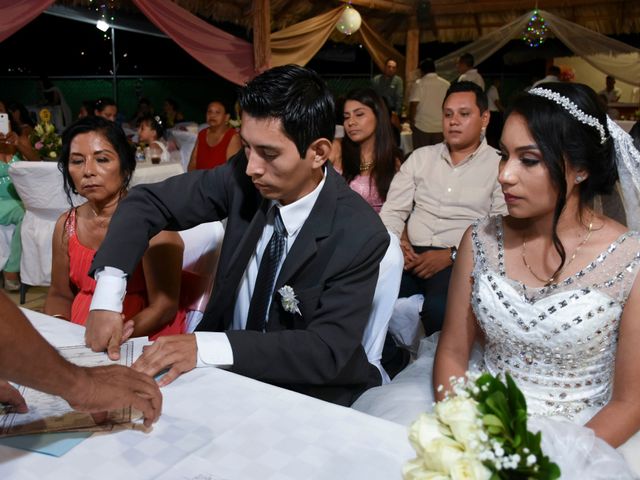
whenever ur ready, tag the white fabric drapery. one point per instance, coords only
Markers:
(610, 56)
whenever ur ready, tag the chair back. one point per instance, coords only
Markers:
(6, 233)
(386, 293)
(39, 185)
(202, 246)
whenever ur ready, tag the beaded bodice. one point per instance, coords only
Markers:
(557, 342)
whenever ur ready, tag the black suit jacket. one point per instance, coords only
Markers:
(332, 267)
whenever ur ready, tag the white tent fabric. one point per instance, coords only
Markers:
(610, 56)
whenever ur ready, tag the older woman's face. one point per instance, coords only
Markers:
(94, 166)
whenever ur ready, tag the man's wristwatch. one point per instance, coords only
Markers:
(453, 254)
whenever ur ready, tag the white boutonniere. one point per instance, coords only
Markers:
(289, 300)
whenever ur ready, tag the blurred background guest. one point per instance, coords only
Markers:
(97, 163)
(151, 133)
(11, 209)
(171, 112)
(86, 108)
(218, 142)
(106, 107)
(425, 106)
(21, 128)
(369, 157)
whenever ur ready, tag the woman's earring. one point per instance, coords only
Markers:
(579, 178)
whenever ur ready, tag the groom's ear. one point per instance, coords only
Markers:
(319, 151)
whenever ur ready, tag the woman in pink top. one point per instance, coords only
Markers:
(216, 143)
(370, 156)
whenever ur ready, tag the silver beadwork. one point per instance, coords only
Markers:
(573, 109)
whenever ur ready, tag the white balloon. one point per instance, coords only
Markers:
(349, 21)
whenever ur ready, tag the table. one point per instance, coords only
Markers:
(150, 173)
(219, 425)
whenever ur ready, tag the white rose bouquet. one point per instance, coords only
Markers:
(478, 432)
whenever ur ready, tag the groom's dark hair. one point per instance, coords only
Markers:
(298, 97)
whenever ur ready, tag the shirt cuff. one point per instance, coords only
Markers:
(214, 350)
(111, 287)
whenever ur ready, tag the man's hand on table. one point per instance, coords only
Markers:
(106, 330)
(178, 353)
(101, 389)
(11, 396)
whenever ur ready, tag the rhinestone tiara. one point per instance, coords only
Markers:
(572, 108)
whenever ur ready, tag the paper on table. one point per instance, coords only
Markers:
(49, 413)
(53, 444)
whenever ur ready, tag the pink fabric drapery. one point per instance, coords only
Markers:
(15, 14)
(228, 56)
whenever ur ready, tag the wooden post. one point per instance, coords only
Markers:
(261, 35)
(413, 52)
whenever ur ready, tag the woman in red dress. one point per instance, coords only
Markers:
(216, 143)
(97, 163)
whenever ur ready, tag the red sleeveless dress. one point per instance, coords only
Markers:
(135, 300)
(209, 157)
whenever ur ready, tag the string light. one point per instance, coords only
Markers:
(535, 33)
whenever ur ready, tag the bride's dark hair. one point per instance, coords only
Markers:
(563, 139)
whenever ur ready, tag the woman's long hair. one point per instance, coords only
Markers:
(385, 151)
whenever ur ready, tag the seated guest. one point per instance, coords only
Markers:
(151, 133)
(97, 163)
(218, 142)
(171, 112)
(11, 210)
(106, 107)
(439, 191)
(300, 255)
(20, 130)
(369, 156)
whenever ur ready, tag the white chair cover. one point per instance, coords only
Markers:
(6, 232)
(202, 246)
(185, 140)
(384, 298)
(39, 185)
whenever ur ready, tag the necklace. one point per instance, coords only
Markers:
(554, 278)
(366, 166)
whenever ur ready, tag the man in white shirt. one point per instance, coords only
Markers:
(438, 192)
(425, 106)
(553, 75)
(467, 72)
(611, 92)
(299, 260)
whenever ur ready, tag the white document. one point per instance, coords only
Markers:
(49, 413)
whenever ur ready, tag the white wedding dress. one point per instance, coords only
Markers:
(557, 342)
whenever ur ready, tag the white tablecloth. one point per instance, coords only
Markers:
(219, 425)
(150, 173)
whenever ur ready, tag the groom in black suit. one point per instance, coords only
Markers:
(305, 332)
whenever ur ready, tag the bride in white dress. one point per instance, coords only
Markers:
(547, 294)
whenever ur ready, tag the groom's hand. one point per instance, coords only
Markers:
(178, 353)
(104, 331)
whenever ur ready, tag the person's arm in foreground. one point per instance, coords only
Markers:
(26, 358)
(460, 325)
(620, 418)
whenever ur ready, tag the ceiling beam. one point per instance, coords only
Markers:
(457, 7)
(392, 6)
